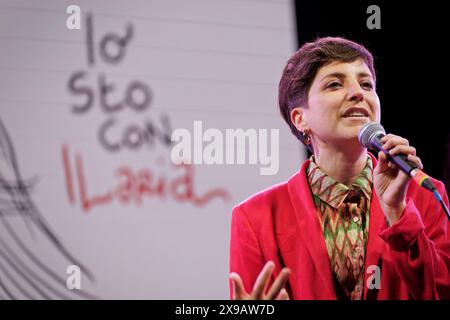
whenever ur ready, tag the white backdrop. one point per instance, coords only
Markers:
(138, 226)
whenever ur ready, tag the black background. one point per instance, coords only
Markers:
(411, 61)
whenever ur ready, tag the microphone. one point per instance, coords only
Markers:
(369, 136)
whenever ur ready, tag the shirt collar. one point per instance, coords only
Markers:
(333, 192)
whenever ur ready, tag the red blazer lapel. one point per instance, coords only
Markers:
(375, 243)
(310, 233)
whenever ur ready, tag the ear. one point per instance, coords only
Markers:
(298, 118)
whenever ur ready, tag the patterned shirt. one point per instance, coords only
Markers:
(344, 216)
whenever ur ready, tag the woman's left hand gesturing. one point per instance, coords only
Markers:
(390, 182)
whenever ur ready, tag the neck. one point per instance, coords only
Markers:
(342, 165)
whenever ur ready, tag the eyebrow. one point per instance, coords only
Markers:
(342, 75)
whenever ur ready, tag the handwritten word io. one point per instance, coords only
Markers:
(134, 185)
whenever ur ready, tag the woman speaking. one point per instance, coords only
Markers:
(349, 224)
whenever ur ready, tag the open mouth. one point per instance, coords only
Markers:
(356, 113)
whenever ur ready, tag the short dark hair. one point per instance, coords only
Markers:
(302, 67)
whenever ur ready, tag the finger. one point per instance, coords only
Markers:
(258, 288)
(416, 160)
(382, 161)
(393, 137)
(239, 292)
(391, 165)
(278, 284)
(391, 140)
(402, 149)
(283, 295)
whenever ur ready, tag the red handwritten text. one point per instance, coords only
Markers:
(134, 186)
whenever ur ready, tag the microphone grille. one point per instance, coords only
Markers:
(368, 132)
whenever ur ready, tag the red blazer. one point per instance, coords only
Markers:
(281, 224)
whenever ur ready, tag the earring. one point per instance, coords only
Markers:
(306, 137)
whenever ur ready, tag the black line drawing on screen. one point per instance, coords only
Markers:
(24, 273)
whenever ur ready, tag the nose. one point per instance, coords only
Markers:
(356, 93)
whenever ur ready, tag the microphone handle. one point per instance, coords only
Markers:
(412, 170)
(399, 160)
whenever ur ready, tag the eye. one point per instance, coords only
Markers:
(333, 84)
(367, 85)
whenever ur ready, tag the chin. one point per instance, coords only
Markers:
(356, 121)
(352, 130)
(354, 125)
